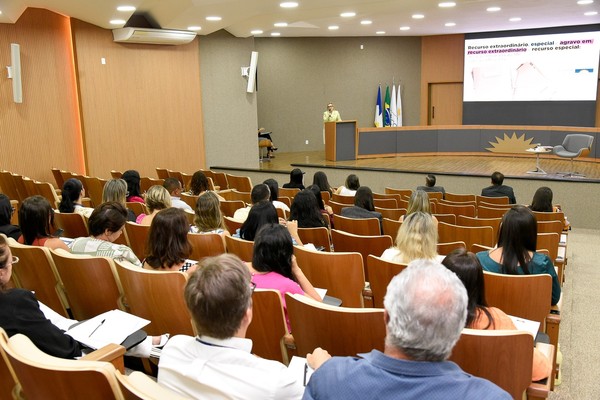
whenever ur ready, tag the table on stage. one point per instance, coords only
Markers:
(539, 150)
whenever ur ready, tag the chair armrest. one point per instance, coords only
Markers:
(367, 294)
(541, 389)
(289, 347)
(112, 353)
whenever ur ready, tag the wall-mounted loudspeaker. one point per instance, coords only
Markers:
(14, 72)
(252, 72)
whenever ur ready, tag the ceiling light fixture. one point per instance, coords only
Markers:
(493, 9)
(348, 14)
(405, 28)
(418, 16)
(585, 2)
(590, 13)
(380, 33)
(126, 8)
(450, 24)
(275, 34)
(280, 24)
(366, 22)
(117, 21)
(447, 4)
(515, 19)
(194, 28)
(288, 4)
(256, 32)
(213, 18)
(333, 27)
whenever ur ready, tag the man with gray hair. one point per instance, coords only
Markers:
(425, 312)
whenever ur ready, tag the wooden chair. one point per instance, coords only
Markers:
(14, 220)
(549, 241)
(156, 296)
(240, 183)
(177, 175)
(235, 195)
(391, 227)
(325, 270)
(444, 249)
(476, 248)
(385, 196)
(358, 226)
(46, 190)
(447, 218)
(190, 199)
(488, 212)
(10, 388)
(550, 227)
(343, 331)
(187, 179)
(495, 205)
(317, 236)
(36, 271)
(549, 216)
(281, 213)
(502, 357)
(240, 247)
(91, 283)
(8, 186)
(72, 224)
(385, 203)
(285, 200)
(147, 182)
(474, 222)
(231, 224)
(57, 177)
(337, 207)
(206, 245)
(268, 330)
(139, 386)
(115, 174)
(491, 200)
(219, 178)
(95, 186)
(288, 192)
(162, 173)
(470, 235)
(228, 208)
(391, 213)
(381, 273)
(459, 197)
(326, 196)
(435, 195)
(42, 376)
(457, 203)
(29, 185)
(338, 198)
(468, 210)
(401, 192)
(138, 236)
(137, 208)
(365, 245)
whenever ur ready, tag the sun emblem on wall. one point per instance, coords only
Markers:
(512, 144)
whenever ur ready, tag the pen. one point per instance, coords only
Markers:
(305, 371)
(95, 329)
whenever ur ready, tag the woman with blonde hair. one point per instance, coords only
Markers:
(116, 190)
(417, 238)
(209, 218)
(419, 201)
(157, 198)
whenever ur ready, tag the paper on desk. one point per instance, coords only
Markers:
(300, 369)
(321, 292)
(527, 325)
(115, 329)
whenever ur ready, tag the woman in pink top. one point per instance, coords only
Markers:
(274, 265)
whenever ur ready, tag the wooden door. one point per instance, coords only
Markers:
(445, 103)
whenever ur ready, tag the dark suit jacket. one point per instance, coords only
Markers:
(433, 189)
(500, 191)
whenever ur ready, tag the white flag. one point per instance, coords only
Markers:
(399, 108)
(378, 110)
(393, 109)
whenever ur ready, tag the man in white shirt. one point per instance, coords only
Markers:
(218, 363)
(173, 186)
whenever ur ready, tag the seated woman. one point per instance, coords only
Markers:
(105, 225)
(6, 213)
(157, 198)
(542, 202)
(72, 193)
(515, 254)
(350, 187)
(274, 189)
(305, 210)
(199, 184)
(296, 179)
(416, 238)
(479, 316)
(320, 179)
(132, 178)
(263, 134)
(363, 206)
(274, 265)
(323, 208)
(36, 220)
(263, 213)
(419, 201)
(168, 248)
(208, 216)
(116, 190)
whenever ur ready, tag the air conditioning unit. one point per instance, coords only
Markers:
(152, 36)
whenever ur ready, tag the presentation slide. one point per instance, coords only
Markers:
(553, 67)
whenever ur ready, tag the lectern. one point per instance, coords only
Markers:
(340, 140)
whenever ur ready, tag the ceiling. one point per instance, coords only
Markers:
(314, 17)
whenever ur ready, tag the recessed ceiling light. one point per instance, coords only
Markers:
(0, 12)
(590, 13)
(585, 2)
(348, 14)
(280, 24)
(288, 4)
(515, 19)
(126, 8)
(449, 24)
(405, 28)
(418, 16)
(447, 4)
(380, 33)
(366, 22)
(213, 18)
(333, 27)
(194, 28)
(117, 21)
(256, 32)
(493, 9)
(275, 34)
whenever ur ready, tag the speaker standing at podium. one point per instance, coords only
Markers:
(330, 115)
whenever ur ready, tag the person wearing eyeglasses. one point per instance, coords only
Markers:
(218, 363)
(331, 114)
(6, 213)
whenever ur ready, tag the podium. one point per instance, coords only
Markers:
(340, 140)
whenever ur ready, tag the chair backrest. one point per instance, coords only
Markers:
(240, 247)
(447, 218)
(231, 224)
(550, 227)
(391, 227)
(206, 245)
(492, 200)
(9, 384)
(457, 203)
(288, 192)
(459, 197)
(549, 241)
(391, 213)
(138, 236)
(343, 331)
(470, 235)
(401, 192)
(549, 216)
(468, 209)
(137, 208)
(268, 327)
(45, 377)
(285, 200)
(162, 173)
(490, 212)
(8, 186)
(341, 274)
(338, 198)
(228, 208)
(476, 248)
(72, 224)
(139, 386)
(446, 248)
(526, 296)
(462, 220)
(578, 143)
(115, 174)
(381, 273)
(177, 175)
(337, 207)
(91, 283)
(502, 357)
(235, 194)
(386, 203)
(218, 178)
(365, 245)
(30, 187)
(156, 296)
(36, 271)
(358, 226)
(57, 177)
(46, 190)
(317, 236)
(240, 183)
(190, 199)
(95, 186)
(146, 182)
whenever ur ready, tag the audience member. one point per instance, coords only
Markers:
(261, 214)
(419, 201)
(157, 198)
(296, 180)
(219, 298)
(274, 189)
(36, 220)
(498, 189)
(515, 254)
(363, 206)
(132, 177)
(416, 238)
(168, 247)
(430, 185)
(479, 315)
(106, 224)
(425, 312)
(320, 179)
(305, 210)
(173, 186)
(542, 202)
(326, 210)
(350, 187)
(6, 213)
(116, 190)
(71, 196)
(208, 216)
(199, 184)
(259, 193)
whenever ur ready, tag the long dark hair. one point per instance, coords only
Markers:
(305, 210)
(71, 191)
(132, 177)
(317, 192)
(542, 200)
(517, 237)
(36, 219)
(320, 179)
(364, 198)
(199, 183)
(468, 269)
(273, 250)
(296, 176)
(6, 210)
(168, 243)
(273, 187)
(352, 182)
(260, 214)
